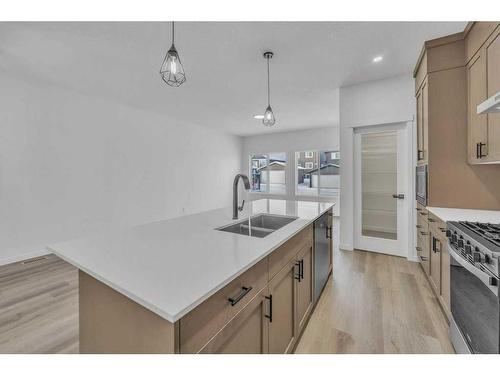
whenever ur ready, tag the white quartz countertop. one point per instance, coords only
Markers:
(173, 265)
(460, 214)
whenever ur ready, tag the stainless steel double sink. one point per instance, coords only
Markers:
(260, 225)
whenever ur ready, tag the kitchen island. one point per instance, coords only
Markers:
(181, 286)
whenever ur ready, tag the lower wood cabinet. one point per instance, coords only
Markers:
(247, 332)
(304, 286)
(282, 294)
(436, 262)
(262, 311)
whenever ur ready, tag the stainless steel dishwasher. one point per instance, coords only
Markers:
(322, 235)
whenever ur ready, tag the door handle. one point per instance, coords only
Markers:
(398, 196)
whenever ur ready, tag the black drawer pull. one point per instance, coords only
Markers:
(442, 230)
(270, 316)
(301, 268)
(423, 233)
(418, 248)
(431, 220)
(423, 213)
(418, 226)
(244, 292)
(297, 277)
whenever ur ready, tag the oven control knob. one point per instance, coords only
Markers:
(454, 238)
(468, 248)
(448, 233)
(493, 281)
(479, 257)
(460, 242)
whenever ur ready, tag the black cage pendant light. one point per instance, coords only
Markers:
(171, 70)
(269, 118)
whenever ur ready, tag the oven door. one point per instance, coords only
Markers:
(474, 304)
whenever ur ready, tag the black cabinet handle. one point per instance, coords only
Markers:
(418, 248)
(477, 150)
(297, 277)
(480, 147)
(431, 220)
(270, 316)
(244, 292)
(418, 226)
(423, 233)
(422, 213)
(301, 268)
(420, 154)
(328, 232)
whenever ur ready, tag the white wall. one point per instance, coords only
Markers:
(372, 103)
(321, 139)
(71, 165)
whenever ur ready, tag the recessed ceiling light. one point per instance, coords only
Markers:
(377, 59)
(258, 117)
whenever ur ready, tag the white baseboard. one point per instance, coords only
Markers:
(345, 246)
(23, 256)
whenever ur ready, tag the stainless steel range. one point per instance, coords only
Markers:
(474, 279)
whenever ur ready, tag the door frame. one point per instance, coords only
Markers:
(405, 146)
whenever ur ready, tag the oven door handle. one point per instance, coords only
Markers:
(483, 276)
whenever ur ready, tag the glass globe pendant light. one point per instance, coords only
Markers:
(171, 70)
(269, 118)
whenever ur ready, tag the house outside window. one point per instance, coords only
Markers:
(317, 173)
(268, 173)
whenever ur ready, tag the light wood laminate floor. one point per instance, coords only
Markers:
(375, 304)
(39, 307)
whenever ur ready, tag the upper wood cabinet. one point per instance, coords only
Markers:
(483, 81)
(422, 123)
(476, 93)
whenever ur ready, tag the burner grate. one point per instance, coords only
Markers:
(490, 232)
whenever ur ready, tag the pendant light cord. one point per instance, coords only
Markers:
(268, 86)
(173, 33)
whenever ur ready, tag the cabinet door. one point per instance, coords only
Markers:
(492, 56)
(436, 262)
(331, 231)
(304, 286)
(247, 332)
(419, 126)
(425, 122)
(445, 276)
(282, 327)
(477, 124)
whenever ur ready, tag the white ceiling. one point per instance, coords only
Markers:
(226, 73)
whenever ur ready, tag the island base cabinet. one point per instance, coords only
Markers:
(304, 286)
(111, 323)
(282, 325)
(247, 332)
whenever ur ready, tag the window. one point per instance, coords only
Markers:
(317, 173)
(268, 173)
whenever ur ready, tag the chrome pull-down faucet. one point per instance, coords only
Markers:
(246, 182)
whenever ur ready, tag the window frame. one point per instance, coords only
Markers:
(318, 163)
(267, 154)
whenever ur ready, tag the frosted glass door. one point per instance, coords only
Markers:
(379, 172)
(382, 165)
